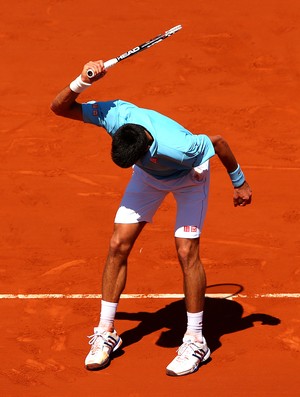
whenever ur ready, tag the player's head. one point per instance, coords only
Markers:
(129, 143)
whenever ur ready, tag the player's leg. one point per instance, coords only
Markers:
(115, 270)
(105, 339)
(191, 200)
(194, 349)
(194, 278)
(138, 206)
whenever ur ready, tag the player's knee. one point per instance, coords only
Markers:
(187, 251)
(119, 246)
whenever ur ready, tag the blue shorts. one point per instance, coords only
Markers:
(144, 194)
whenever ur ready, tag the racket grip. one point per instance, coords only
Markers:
(108, 64)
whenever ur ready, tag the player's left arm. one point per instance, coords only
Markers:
(242, 192)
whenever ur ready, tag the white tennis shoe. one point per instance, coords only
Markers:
(190, 355)
(103, 344)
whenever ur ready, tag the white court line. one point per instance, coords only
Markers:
(148, 296)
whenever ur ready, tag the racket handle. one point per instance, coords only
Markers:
(108, 64)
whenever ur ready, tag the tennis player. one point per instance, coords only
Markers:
(166, 158)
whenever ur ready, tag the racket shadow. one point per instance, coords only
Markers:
(221, 316)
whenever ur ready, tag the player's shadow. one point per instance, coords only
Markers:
(221, 316)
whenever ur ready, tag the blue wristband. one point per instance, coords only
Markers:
(237, 177)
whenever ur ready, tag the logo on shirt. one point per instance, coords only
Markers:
(154, 160)
(95, 109)
(190, 229)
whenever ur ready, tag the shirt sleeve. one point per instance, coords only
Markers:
(102, 114)
(110, 115)
(201, 150)
(191, 151)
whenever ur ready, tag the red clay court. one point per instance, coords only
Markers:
(232, 70)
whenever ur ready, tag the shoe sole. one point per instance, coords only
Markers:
(194, 369)
(94, 366)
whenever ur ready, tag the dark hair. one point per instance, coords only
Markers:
(129, 143)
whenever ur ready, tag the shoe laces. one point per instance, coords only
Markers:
(102, 341)
(93, 338)
(96, 340)
(187, 349)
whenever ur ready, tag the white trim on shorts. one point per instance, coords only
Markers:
(144, 194)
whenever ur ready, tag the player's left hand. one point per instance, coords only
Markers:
(242, 195)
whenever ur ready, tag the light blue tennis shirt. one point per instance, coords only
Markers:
(174, 151)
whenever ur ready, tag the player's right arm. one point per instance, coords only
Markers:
(65, 104)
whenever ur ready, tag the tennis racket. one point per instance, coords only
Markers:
(111, 62)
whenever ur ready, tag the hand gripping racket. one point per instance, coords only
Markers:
(90, 73)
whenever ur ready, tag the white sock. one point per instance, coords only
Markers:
(195, 325)
(107, 316)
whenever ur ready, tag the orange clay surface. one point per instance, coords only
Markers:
(232, 70)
